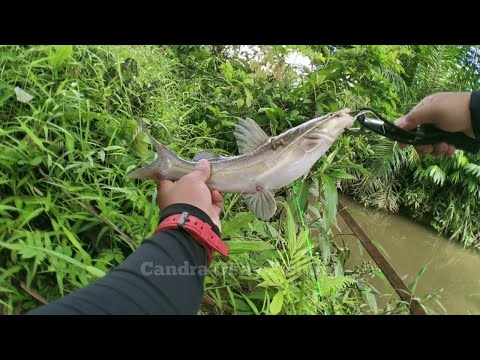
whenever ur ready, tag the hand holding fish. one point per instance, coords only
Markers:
(191, 189)
(449, 111)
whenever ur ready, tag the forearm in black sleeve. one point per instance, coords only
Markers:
(163, 276)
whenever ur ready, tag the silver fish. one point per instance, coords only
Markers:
(265, 164)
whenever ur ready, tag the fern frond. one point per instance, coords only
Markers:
(386, 196)
(439, 69)
(331, 285)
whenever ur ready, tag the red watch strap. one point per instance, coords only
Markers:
(201, 231)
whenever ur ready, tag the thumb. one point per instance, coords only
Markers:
(202, 171)
(408, 122)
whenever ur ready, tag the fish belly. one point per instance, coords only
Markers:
(286, 172)
(233, 182)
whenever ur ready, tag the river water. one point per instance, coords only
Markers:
(452, 273)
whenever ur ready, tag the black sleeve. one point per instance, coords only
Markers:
(163, 276)
(475, 112)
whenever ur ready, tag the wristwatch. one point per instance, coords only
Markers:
(200, 231)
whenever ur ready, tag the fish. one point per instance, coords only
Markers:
(264, 163)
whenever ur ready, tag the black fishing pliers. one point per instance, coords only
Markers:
(423, 135)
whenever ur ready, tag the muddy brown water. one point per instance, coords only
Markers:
(452, 273)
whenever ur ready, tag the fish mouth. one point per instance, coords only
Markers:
(331, 128)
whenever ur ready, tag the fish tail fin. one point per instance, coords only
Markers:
(160, 168)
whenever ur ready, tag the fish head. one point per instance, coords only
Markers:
(317, 135)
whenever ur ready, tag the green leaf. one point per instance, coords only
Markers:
(59, 276)
(265, 110)
(270, 112)
(26, 217)
(59, 55)
(455, 177)
(419, 275)
(277, 303)
(240, 247)
(272, 276)
(331, 199)
(242, 306)
(36, 161)
(319, 78)
(74, 241)
(5, 96)
(94, 271)
(251, 304)
(240, 103)
(280, 112)
(61, 86)
(325, 249)
(113, 147)
(264, 256)
(273, 232)
(290, 228)
(300, 194)
(379, 274)
(341, 175)
(372, 301)
(28, 253)
(260, 294)
(9, 272)
(231, 227)
(249, 98)
(473, 169)
(34, 138)
(437, 174)
(8, 207)
(332, 155)
(338, 269)
(101, 155)
(90, 269)
(8, 55)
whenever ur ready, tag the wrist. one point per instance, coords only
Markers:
(197, 224)
(179, 208)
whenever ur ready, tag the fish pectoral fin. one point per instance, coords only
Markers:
(206, 155)
(262, 204)
(249, 135)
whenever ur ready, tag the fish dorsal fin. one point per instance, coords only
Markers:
(249, 135)
(206, 155)
(262, 204)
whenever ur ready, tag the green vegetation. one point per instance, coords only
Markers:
(68, 213)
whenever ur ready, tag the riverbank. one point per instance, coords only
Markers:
(442, 269)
